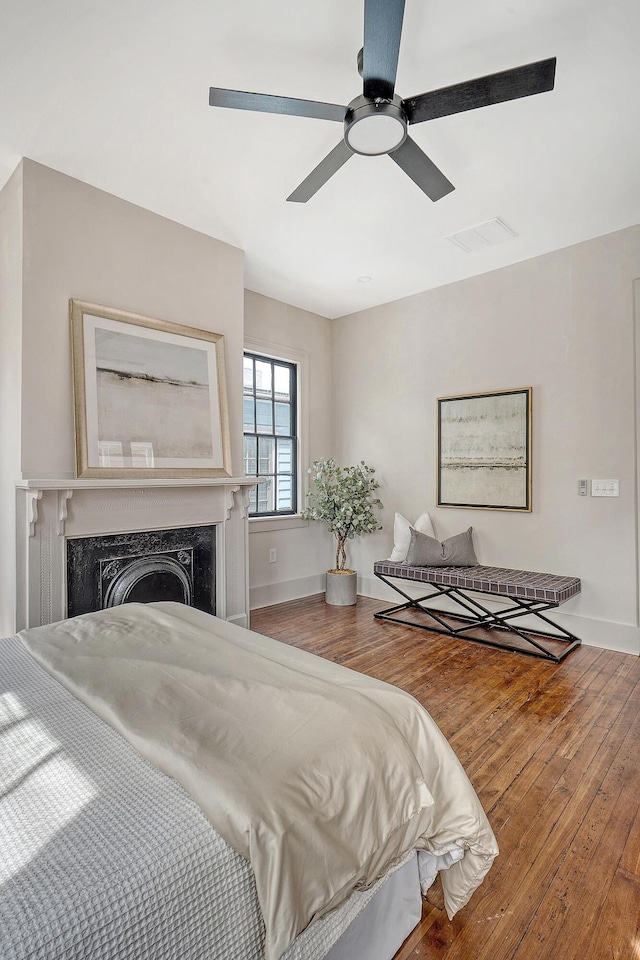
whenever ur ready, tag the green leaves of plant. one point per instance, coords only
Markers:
(343, 499)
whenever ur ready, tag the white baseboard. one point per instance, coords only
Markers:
(271, 593)
(240, 619)
(622, 637)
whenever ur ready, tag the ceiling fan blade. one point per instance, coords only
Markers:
(512, 84)
(422, 171)
(319, 176)
(382, 30)
(265, 103)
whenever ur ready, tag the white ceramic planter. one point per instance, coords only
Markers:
(341, 588)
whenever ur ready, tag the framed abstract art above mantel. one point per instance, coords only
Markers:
(150, 396)
(484, 450)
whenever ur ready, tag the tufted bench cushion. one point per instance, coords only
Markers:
(502, 581)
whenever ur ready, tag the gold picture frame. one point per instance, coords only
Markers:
(149, 396)
(484, 450)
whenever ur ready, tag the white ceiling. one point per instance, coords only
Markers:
(116, 94)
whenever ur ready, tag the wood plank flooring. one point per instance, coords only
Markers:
(553, 753)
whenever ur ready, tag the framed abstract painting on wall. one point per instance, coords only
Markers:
(149, 396)
(484, 450)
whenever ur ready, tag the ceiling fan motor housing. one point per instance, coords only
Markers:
(375, 126)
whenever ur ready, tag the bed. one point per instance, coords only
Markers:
(113, 845)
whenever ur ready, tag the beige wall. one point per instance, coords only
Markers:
(562, 324)
(304, 549)
(83, 243)
(10, 347)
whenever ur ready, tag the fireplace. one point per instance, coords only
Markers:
(177, 564)
(144, 521)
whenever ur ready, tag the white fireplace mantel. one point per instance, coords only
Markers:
(50, 511)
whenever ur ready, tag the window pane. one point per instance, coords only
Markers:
(266, 496)
(248, 424)
(285, 499)
(269, 444)
(263, 378)
(266, 455)
(250, 457)
(283, 419)
(264, 416)
(282, 382)
(247, 375)
(285, 456)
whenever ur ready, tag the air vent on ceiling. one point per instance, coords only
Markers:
(483, 235)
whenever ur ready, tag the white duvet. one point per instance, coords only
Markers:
(321, 777)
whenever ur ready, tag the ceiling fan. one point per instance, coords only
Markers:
(377, 122)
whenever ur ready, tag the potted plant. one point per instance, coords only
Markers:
(343, 499)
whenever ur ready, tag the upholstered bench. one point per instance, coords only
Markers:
(528, 594)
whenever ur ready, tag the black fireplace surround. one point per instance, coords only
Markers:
(141, 567)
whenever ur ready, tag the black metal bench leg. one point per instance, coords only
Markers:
(478, 615)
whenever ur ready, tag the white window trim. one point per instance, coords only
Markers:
(277, 351)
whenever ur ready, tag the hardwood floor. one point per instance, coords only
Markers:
(553, 753)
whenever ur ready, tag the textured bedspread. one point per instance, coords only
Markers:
(102, 857)
(321, 777)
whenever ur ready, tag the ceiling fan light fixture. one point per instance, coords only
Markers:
(374, 127)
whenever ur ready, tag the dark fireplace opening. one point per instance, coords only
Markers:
(176, 564)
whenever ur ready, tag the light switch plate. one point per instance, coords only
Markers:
(605, 488)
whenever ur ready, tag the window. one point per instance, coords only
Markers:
(270, 434)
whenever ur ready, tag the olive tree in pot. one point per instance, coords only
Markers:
(343, 499)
